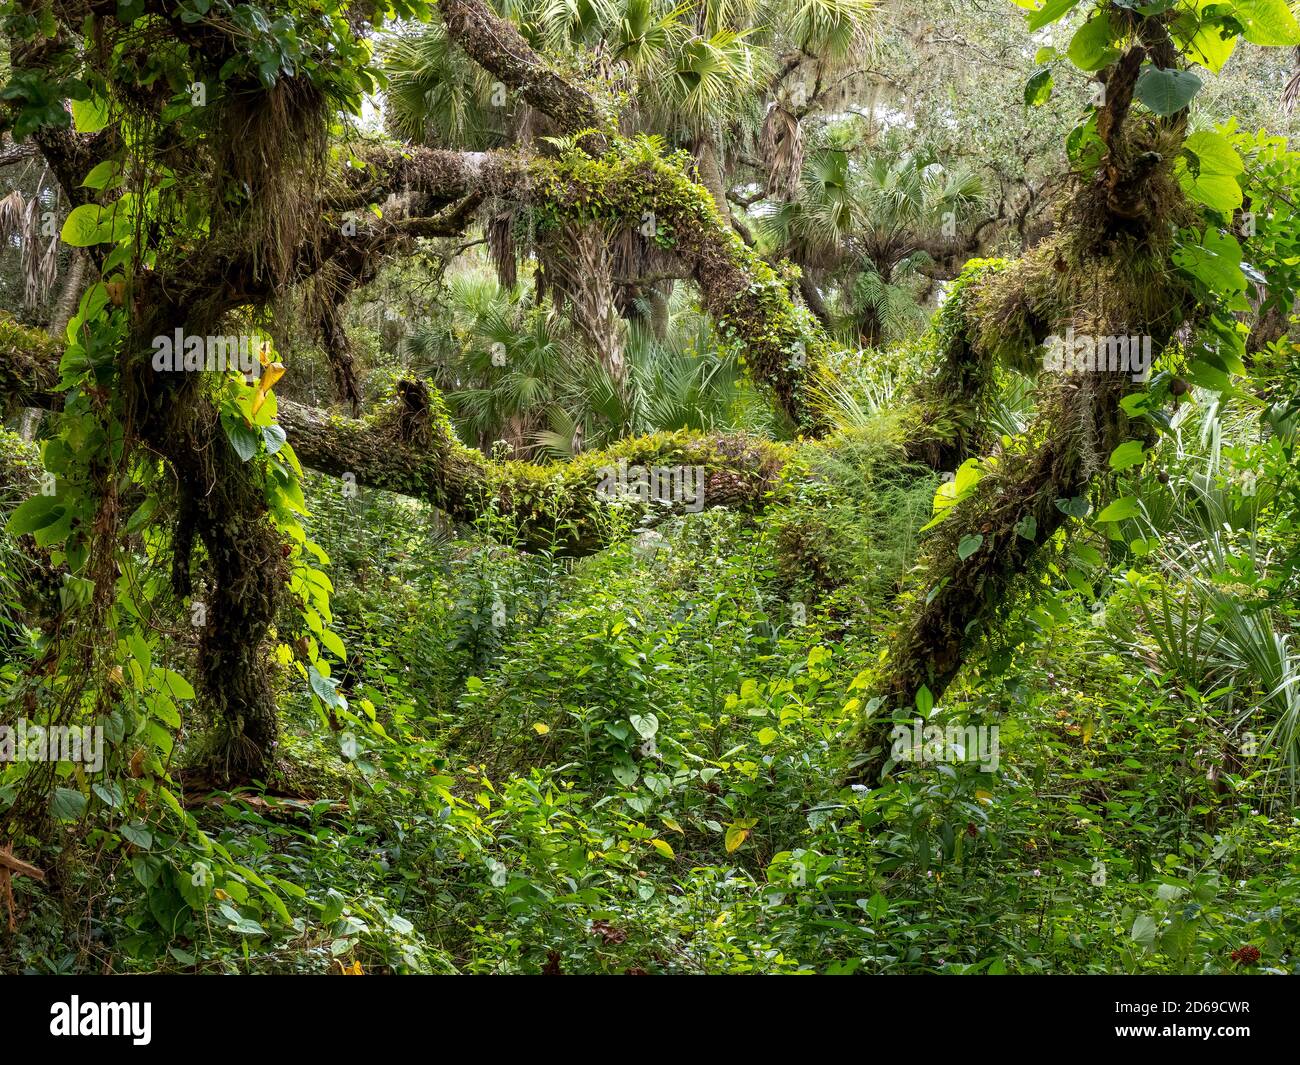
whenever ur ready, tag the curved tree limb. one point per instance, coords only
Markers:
(501, 50)
(409, 446)
(1107, 273)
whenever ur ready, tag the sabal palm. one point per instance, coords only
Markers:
(514, 371)
(907, 200)
(692, 66)
(868, 226)
(436, 96)
(496, 359)
(813, 229)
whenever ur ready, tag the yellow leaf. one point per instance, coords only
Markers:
(353, 970)
(984, 796)
(735, 837)
(670, 823)
(541, 729)
(661, 847)
(1087, 731)
(265, 383)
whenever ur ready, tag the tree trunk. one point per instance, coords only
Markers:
(709, 167)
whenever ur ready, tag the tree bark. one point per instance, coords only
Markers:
(1107, 273)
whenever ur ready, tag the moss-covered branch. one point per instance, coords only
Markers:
(501, 50)
(410, 447)
(996, 314)
(1106, 275)
(632, 186)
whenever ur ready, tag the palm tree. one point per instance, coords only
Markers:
(699, 74)
(495, 355)
(514, 370)
(871, 227)
(436, 96)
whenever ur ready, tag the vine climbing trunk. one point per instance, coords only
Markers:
(1107, 275)
(221, 507)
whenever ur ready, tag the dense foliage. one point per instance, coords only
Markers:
(937, 655)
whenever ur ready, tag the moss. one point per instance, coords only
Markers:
(29, 359)
(635, 186)
(1107, 272)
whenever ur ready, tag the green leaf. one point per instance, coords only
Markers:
(924, 701)
(333, 645)
(1038, 90)
(1050, 12)
(171, 682)
(877, 906)
(1267, 22)
(1027, 527)
(737, 834)
(1087, 554)
(1215, 261)
(1129, 453)
(662, 847)
(1074, 507)
(326, 688)
(139, 648)
(1209, 376)
(1084, 145)
(1091, 47)
(56, 532)
(111, 794)
(274, 438)
(625, 772)
(645, 724)
(970, 543)
(1144, 930)
(332, 907)
(101, 174)
(1203, 42)
(1122, 508)
(1208, 170)
(81, 227)
(89, 116)
(35, 513)
(1166, 92)
(67, 805)
(243, 439)
(164, 710)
